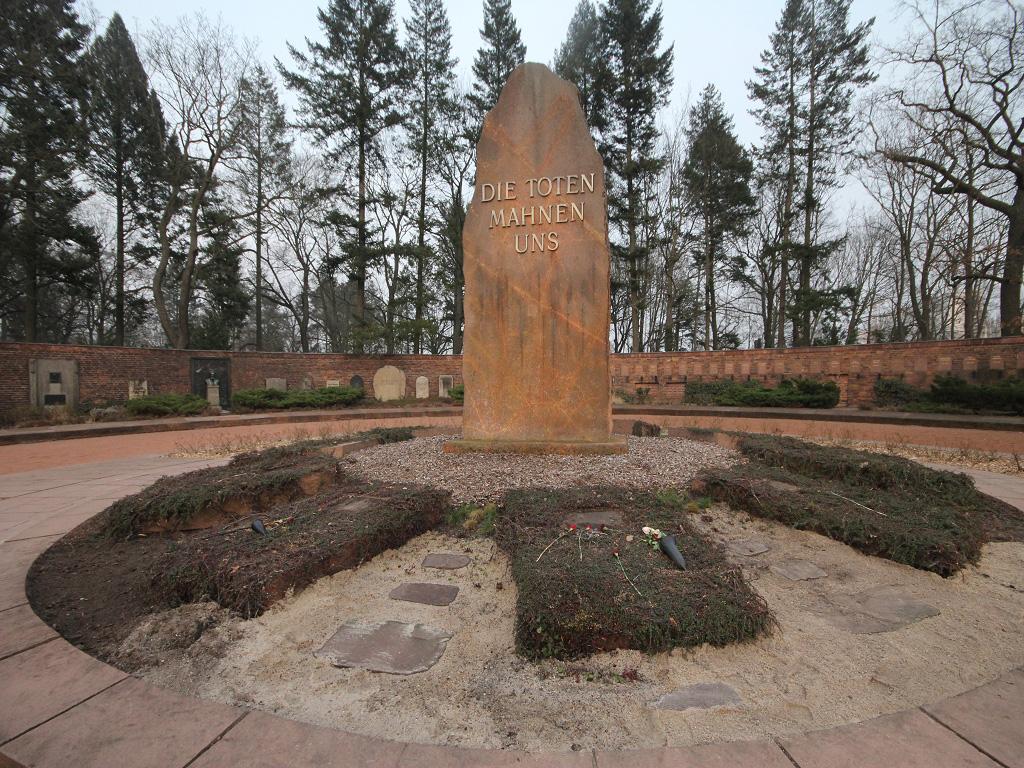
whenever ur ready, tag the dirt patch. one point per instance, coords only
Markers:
(590, 588)
(95, 590)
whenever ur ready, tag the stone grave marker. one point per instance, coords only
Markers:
(797, 570)
(385, 646)
(444, 385)
(427, 594)
(277, 383)
(356, 382)
(137, 388)
(422, 388)
(388, 383)
(333, 383)
(879, 609)
(699, 696)
(448, 561)
(537, 265)
(748, 547)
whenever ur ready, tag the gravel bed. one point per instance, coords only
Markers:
(651, 462)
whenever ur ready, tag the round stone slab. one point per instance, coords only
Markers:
(748, 547)
(386, 646)
(699, 696)
(448, 561)
(797, 570)
(427, 594)
(388, 383)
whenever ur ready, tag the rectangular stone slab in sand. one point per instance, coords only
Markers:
(427, 594)
(537, 267)
(385, 646)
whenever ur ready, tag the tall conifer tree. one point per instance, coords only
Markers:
(430, 99)
(578, 60)
(502, 52)
(349, 89)
(638, 78)
(716, 179)
(127, 139)
(41, 137)
(264, 168)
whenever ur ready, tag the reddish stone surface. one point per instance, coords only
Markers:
(537, 269)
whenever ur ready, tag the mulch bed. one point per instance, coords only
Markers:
(576, 599)
(94, 588)
(884, 506)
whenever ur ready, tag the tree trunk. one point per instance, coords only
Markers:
(1013, 267)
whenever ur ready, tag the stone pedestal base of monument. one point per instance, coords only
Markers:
(615, 444)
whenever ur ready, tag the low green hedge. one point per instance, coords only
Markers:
(791, 393)
(277, 399)
(457, 393)
(169, 404)
(953, 394)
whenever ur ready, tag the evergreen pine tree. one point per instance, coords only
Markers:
(264, 168)
(126, 142)
(502, 52)
(41, 135)
(223, 303)
(349, 90)
(716, 179)
(638, 80)
(431, 98)
(578, 60)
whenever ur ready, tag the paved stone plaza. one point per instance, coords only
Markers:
(60, 707)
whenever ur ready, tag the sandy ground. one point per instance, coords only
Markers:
(808, 675)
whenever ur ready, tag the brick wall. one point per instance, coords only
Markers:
(104, 372)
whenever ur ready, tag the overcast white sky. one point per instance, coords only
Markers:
(717, 41)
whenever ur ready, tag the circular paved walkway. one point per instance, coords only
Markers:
(60, 707)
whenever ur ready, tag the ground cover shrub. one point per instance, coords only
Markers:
(385, 435)
(951, 394)
(896, 393)
(317, 536)
(276, 399)
(457, 394)
(40, 416)
(576, 599)
(472, 518)
(167, 404)
(248, 481)
(884, 506)
(790, 393)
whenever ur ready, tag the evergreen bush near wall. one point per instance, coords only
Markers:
(953, 394)
(791, 393)
(169, 404)
(457, 394)
(277, 399)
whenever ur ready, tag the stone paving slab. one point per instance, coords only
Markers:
(447, 561)
(748, 547)
(426, 594)
(131, 724)
(385, 646)
(20, 628)
(431, 756)
(991, 717)
(44, 681)
(879, 609)
(699, 696)
(908, 739)
(15, 559)
(797, 570)
(264, 741)
(737, 754)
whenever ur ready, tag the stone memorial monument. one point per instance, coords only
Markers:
(537, 264)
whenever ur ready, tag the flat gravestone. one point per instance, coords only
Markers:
(388, 383)
(358, 504)
(537, 268)
(422, 388)
(333, 383)
(797, 570)
(386, 646)
(699, 696)
(447, 561)
(356, 382)
(427, 594)
(880, 609)
(276, 383)
(596, 519)
(748, 547)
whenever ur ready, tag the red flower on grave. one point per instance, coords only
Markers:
(572, 527)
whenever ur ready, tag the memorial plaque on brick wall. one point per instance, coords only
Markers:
(535, 359)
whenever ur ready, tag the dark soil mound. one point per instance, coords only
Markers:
(576, 599)
(881, 505)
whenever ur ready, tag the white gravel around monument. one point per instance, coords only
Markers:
(651, 462)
